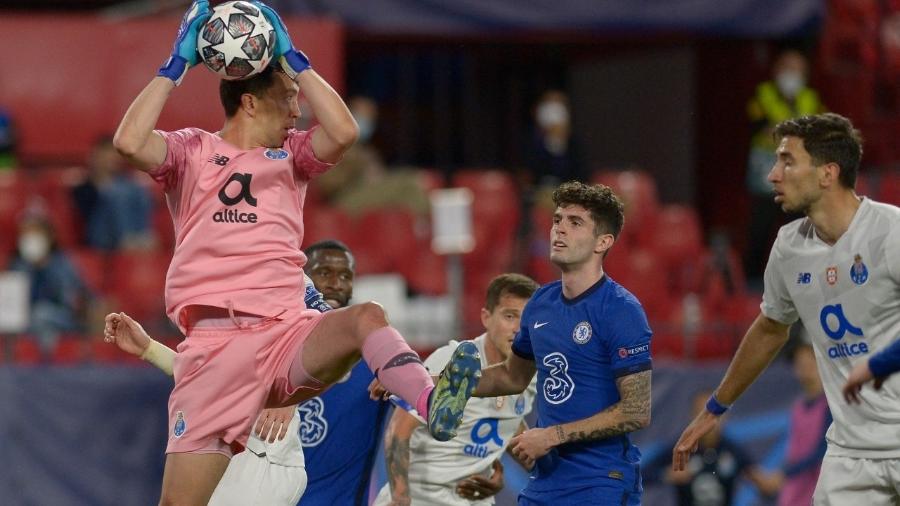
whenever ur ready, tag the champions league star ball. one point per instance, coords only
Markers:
(237, 41)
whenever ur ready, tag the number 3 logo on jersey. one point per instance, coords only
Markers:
(313, 425)
(558, 386)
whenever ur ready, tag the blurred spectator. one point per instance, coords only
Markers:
(783, 97)
(810, 419)
(712, 473)
(553, 155)
(7, 141)
(360, 182)
(59, 298)
(114, 207)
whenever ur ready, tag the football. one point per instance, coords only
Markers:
(237, 41)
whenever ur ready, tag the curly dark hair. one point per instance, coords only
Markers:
(605, 207)
(828, 138)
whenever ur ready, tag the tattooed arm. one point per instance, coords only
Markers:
(631, 413)
(396, 455)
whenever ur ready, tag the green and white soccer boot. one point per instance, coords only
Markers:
(452, 391)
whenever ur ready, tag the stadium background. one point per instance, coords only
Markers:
(657, 92)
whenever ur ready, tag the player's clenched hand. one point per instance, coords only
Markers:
(478, 487)
(533, 444)
(859, 376)
(690, 438)
(128, 334)
(272, 424)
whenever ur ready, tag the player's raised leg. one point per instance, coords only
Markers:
(337, 343)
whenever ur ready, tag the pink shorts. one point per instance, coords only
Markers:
(227, 370)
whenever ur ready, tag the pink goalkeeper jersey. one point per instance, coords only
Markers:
(238, 219)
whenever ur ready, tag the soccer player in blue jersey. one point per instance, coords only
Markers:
(341, 428)
(588, 339)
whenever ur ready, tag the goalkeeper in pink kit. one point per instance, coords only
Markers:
(234, 286)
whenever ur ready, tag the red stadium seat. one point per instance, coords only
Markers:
(644, 275)
(137, 282)
(537, 248)
(666, 343)
(495, 211)
(15, 190)
(92, 266)
(677, 239)
(637, 189)
(327, 223)
(54, 187)
(889, 187)
(430, 179)
(70, 350)
(390, 237)
(425, 271)
(26, 351)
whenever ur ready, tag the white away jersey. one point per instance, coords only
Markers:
(848, 297)
(487, 426)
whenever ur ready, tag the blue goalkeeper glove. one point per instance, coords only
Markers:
(184, 52)
(292, 60)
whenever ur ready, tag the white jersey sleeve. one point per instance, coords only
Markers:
(777, 303)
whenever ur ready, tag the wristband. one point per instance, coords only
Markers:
(161, 356)
(715, 407)
(174, 68)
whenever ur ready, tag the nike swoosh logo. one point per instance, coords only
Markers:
(539, 325)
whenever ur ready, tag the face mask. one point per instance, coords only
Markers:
(550, 114)
(33, 246)
(790, 83)
(366, 128)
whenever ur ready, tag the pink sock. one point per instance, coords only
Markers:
(422, 403)
(398, 367)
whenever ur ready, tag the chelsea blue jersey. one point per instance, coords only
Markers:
(340, 431)
(580, 347)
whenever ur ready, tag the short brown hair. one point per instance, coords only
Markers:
(516, 285)
(828, 138)
(230, 91)
(606, 209)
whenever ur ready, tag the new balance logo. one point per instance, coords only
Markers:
(234, 215)
(539, 325)
(219, 160)
(804, 278)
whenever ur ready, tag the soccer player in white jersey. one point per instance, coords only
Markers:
(234, 286)
(838, 270)
(422, 471)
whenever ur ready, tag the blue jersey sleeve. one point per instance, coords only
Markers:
(629, 344)
(313, 298)
(521, 345)
(886, 361)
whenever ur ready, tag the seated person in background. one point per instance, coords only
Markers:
(362, 182)
(711, 476)
(113, 206)
(59, 298)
